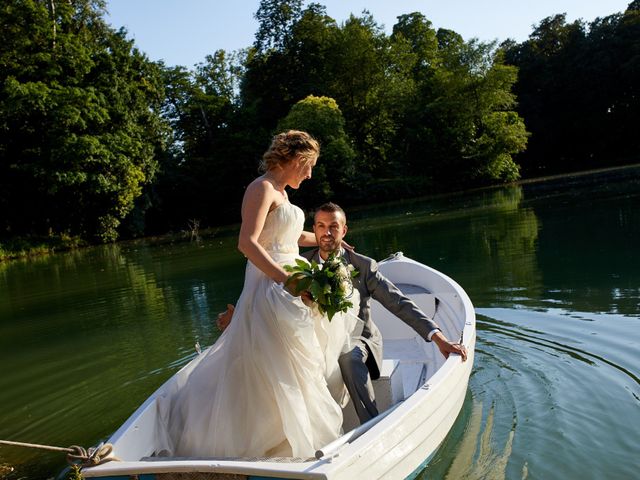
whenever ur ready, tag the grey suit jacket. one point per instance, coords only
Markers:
(372, 284)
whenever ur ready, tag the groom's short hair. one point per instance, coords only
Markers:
(330, 207)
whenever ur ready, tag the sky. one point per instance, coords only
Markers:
(183, 32)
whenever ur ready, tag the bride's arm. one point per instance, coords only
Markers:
(255, 206)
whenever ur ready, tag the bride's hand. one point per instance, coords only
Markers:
(304, 295)
(306, 298)
(291, 286)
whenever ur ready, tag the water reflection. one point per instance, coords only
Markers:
(571, 244)
(504, 245)
(476, 456)
(87, 335)
(588, 248)
(487, 239)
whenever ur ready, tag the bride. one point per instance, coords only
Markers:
(261, 389)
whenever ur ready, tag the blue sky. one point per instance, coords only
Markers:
(182, 32)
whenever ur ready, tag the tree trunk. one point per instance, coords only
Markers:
(52, 14)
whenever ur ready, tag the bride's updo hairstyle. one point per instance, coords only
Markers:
(288, 146)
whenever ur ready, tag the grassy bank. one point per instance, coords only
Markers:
(33, 246)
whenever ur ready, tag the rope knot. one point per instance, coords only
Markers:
(91, 457)
(76, 455)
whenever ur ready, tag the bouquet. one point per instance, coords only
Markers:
(330, 284)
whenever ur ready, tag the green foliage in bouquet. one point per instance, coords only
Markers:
(330, 284)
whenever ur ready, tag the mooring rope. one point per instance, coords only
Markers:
(76, 455)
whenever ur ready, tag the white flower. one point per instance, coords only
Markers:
(342, 271)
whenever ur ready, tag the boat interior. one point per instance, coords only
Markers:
(409, 361)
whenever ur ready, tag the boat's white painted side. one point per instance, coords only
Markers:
(409, 434)
(393, 448)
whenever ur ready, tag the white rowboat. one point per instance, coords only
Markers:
(419, 396)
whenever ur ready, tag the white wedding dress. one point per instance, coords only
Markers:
(262, 389)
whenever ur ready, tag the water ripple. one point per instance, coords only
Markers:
(540, 401)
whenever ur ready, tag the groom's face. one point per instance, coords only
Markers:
(330, 228)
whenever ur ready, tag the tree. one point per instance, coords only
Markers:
(461, 128)
(296, 66)
(79, 122)
(275, 19)
(371, 82)
(322, 118)
(577, 90)
(310, 50)
(548, 93)
(203, 109)
(415, 29)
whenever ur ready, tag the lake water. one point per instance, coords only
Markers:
(553, 269)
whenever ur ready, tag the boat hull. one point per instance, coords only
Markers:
(401, 441)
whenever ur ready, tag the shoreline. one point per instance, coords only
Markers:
(58, 244)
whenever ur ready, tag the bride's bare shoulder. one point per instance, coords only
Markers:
(260, 192)
(260, 186)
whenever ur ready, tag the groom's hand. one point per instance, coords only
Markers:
(224, 318)
(346, 246)
(447, 348)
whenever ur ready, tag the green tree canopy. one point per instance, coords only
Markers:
(79, 122)
(321, 117)
(462, 128)
(275, 19)
(371, 82)
(96, 140)
(214, 153)
(578, 91)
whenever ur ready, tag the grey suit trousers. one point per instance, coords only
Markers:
(353, 366)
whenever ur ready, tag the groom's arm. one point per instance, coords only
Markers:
(404, 308)
(391, 298)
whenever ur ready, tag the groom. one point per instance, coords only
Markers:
(362, 364)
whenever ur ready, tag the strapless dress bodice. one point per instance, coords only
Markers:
(282, 229)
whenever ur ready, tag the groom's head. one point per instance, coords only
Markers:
(330, 227)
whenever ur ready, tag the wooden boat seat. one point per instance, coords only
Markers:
(388, 389)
